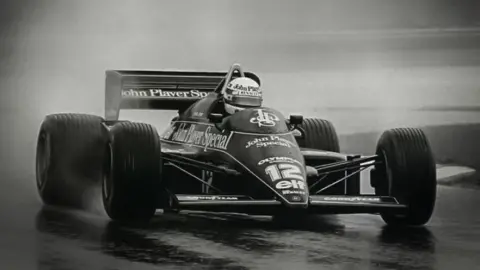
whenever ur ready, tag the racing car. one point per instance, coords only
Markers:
(257, 162)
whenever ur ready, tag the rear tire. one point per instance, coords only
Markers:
(131, 188)
(69, 157)
(409, 175)
(320, 134)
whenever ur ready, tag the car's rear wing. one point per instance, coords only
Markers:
(159, 90)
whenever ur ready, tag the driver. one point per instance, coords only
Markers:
(241, 93)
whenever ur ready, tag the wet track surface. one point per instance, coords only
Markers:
(37, 237)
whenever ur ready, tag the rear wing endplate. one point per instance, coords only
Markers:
(160, 90)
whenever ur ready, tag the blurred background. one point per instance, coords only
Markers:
(366, 65)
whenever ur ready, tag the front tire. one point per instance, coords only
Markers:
(132, 182)
(408, 174)
(69, 157)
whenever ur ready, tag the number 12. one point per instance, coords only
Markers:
(284, 171)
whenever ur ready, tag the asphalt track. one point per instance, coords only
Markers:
(36, 237)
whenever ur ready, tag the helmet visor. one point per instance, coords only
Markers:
(245, 101)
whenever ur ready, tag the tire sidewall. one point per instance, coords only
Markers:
(63, 173)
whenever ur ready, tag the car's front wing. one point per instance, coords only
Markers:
(320, 204)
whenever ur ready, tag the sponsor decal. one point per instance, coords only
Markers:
(244, 88)
(296, 198)
(264, 119)
(297, 192)
(287, 177)
(189, 134)
(352, 199)
(290, 184)
(271, 160)
(247, 93)
(271, 140)
(159, 93)
(197, 114)
(209, 198)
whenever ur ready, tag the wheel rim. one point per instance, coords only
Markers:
(107, 183)
(43, 159)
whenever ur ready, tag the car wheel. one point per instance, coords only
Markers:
(131, 187)
(408, 173)
(69, 157)
(319, 134)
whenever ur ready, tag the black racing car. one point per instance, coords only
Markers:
(255, 161)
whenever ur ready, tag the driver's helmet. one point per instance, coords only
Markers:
(242, 93)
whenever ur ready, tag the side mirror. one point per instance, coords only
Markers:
(215, 118)
(296, 120)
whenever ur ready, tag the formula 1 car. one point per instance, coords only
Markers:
(256, 161)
